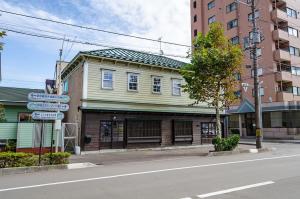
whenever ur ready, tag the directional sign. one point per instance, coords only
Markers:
(48, 97)
(46, 106)
(37, 115)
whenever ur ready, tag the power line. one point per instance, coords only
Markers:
(94, 29)
(78, 41)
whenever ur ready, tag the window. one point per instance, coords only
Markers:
(156, 84)
(66, 87)
(294, 51)
(195, 18)
(235, 40)
(183, 131)
(107, 79)
(176, 87)
(133, 80)
(232, 24)
(211, 5)
(259, 72)
(237, 76)
(231, 7)
(293, 31)
(211, 19)
(291, 13)
(261, 92)
(238, 94)
(195, 4)
(139, 131)
(208, 129)
(195, 32)
(256, 15)
(296, 70)
(25, 117)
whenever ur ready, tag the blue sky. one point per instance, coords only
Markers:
(28, 61)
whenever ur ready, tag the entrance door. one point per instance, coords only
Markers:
(249, 121)
(111, 135)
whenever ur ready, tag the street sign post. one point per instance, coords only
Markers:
(40, 97)
(46, 106)
(39, 115)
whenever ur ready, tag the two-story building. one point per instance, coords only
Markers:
(123, 98)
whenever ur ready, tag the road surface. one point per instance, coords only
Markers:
(272, 175)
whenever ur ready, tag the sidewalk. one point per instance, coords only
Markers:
(252, 141)
(108, 157)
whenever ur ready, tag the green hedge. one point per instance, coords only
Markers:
(226, 144)
(12, 159)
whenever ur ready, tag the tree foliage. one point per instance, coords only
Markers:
(2, 113)
(1, 35)
(211, 76)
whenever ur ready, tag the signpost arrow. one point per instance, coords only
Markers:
(46, 106)
(48, 97)
(39, 115)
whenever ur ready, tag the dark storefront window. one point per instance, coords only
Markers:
(143, 131)
(183, 131)
(208, 129)
(278, 119)
(25, 117)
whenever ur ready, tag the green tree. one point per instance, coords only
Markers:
(211, 76)
(1, 35)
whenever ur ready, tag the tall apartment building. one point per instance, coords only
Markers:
(279, 60)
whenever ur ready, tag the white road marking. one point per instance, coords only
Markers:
(235, 189)
(146, 172)
(186, 198)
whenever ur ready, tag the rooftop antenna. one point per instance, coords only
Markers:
(161, 52)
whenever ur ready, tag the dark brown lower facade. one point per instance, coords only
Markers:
(116, 130)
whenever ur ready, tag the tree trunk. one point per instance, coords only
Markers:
(218, 121)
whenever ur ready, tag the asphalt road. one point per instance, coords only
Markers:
(272, 175)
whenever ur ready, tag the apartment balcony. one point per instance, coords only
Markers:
(282, 55)
(279, 16)
(287, 97)
(284, 76)
(280, 35)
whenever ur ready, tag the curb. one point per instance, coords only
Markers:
(23, 170)
(238, 151)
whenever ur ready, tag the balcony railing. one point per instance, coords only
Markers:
(279, 15)
(280, 35)
(282, 55)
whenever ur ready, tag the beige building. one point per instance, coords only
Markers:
(279, 60)
(122, 98)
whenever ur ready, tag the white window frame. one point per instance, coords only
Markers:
(160, 84)
(102, 79)
(137, 82)
(176, 87)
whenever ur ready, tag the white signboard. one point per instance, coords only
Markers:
(46, 106)
(48, 97)
(38, 115)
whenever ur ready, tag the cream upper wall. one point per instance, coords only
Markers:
(144, 95)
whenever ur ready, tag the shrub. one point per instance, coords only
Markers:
(56, 158)
(11, 145)
(226, 144)
(12, 159)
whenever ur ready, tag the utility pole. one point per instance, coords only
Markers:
(255, 40)
(253, 51)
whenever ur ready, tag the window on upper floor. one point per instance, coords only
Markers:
(194, 4)
(259, 72)
(296, 90)
(295, 70)
(256, 15)
(195, 18)
(261, 92)
(211, 5)
(231, 7)
(66, 86)
(211, 19)
(294, 51)
(133, 82)
(291, 12)
(232, 24)
(235, 40)
(293, 31)
(195, 32)
(107, 79)
(176, 87)
(156, 85)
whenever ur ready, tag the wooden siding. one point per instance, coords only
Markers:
(8, 131)
(144, 94)
(12, 112)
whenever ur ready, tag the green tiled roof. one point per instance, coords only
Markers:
(136, 56)
(11, 94)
